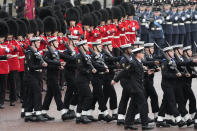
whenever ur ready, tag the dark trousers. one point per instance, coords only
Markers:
(52, 91)
(85, 94)
(168, 103)
(71, 95)
(3, 84)
(175, 39)
(25, 91)
(189, 96)
(145, 37)
(181, 38)
(168, 38)
(122, 108)
(151, 92)
(115, 52)
(22, 87)
(12, 85)
(160, 42)
(187, 39)
(109, 92)
(33, 90)
(193, 40)
(137, 104)
(98, 93)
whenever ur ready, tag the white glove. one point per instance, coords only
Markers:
(147, 25)
(108, 32)
(176, 18)
(168, 17)
(133, 28)
(76, 32)
(183, 18)
(7, 50)
(195, 16)
(143, 20)
(188, 16)
(123, 29)
(159, 21)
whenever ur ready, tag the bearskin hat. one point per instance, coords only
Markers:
(68, 4)
(50, 24)
(13, 27)
(40, 25)
(77, 2)
(95, 19)
(61, 19)
(44, 12)
(116, 11)
(127, 8)
(105, 15)
(34, 27)
(72, 15)
(3, 14)
(132, 8)
(79, 10)
(99, 16)
(57, 7)
(87, 20)
(85, 9)
(110, 13)
(122, 11)
(22, 28)
(4, 29)
(27, 24)
(96, 4)
(58, 24)
(91, 7)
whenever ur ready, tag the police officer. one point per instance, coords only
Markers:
(175, 33)
(193, 26)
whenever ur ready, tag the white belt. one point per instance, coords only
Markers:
(194, 22)
(110, 36)
(89, 42)
(122, 34)
(3, 60)
(168, 23)
(107, 42)
(181, 24)
(104, 38)
(12, 56)
(116, 37)
(39, 70)
(175, 24)
(130, 33)
(188, 22)
(61, 51)
(155, 28)
(21, 57)
(143, 23)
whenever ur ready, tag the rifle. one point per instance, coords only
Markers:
(172, 64)
(37, 54)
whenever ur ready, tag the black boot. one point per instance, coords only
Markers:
(115, 116)
(29, 118)
(12, 104)
(101, 117)
(48, 117)
(195, 125)
(40, 118)
(78, 120)
(131, 127)
(92, 118)
(65, 116)
(72, 114)
(108, 118)
(22, 114)
(120, 122)
(147, 127)
(137, 121)
(181, 123)
(189, 122)
(85, 120)
(162, 124)
(170, 122)
(150, 120)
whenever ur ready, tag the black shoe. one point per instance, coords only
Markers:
(65, 116)
(162, 124)
(49, 118)
(40, 118)
(115, 116)
(29, 118)
(2, 106)
(131, 127)
(137, 121)
(189, 122)
(92, 118)
(71, 114)
(101, 117)
(78, 120)
(170, 122)
(120, 122)
(150, 120)
(108, 118)
(22, 114)
(12, 104)
(147, 127)
(195, 125)
(85, 120)
(181, 123)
